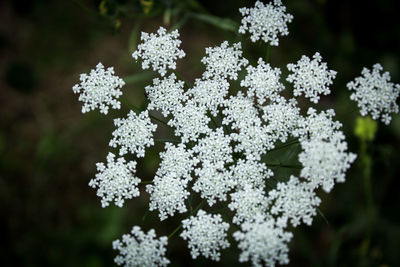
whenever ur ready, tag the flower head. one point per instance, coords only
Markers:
(134, 133)
(311, 77)
(100, 89)
(375, 94)
(139, 249)
(160, 50)
(206, 235)
(265, 22)
(115, 182)
(224, 61)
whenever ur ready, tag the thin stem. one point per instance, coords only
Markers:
(146, 182)
(180, 78)
(166, 141)
(180, 226)
(285, 145)
(285, 166)
(137, 110)
(267, 53)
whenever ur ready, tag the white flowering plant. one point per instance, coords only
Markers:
(219, 172)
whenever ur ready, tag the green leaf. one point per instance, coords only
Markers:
(222, 23)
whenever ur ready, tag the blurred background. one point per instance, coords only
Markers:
(48, 148)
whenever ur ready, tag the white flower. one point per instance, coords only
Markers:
(209, 93)
(247, 202)
(206, 235)
(263, 240)
(166, 94)
(140, 249)
(317, 126)
(263, 82)
(133, 134)
(250, 172)
(223, 61)
(215, 148)
(213, 183)
(100, 89)
(240, 112)
(160, 50)
(294, 200)
(190, 121)
(116, 182)
(168, 193)
(375, 94)
(325, 161)
(265, 22)
(311, 77)
(281, 117)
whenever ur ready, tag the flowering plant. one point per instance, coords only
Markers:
(223, 139)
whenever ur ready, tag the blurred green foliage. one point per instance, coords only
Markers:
(48, 149)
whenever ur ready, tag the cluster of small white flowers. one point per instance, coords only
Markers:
(224, 61)
(160, 50)
(265, 22)
(263, 82)
(263, 240)
(133, 134)
(206, 235)
(168, 191)
(215, 149)
(317, 126)
(115, 182)
(140, 249)
(190, 121)
(100, 89)
(281, 117)
(224, 160)
(375, 94)
(213, 183)
(325, 161)
(311, 77)
(294, 200)
(209, 93)
(246, 202)
(166, 95)
(240, 111)
(250, 172)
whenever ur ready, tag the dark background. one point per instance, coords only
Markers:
(48, 149)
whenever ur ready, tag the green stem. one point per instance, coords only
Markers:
(180, 78)
(146, 182)
(180, 226)
(285, 166)
(285, 145)
(267, 53)
(166, 141)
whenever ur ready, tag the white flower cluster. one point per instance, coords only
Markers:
(265, 21)
(206, 235)
(133, 134)
(100, 89)
(140, 249)
(263, 240)
(165, 95)
(169, 191)
(223, 146)
(115, 182)
(375, 94)
(224, 61)
(294, 200)
(311, 77)
(263, 82)
(161, 51)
